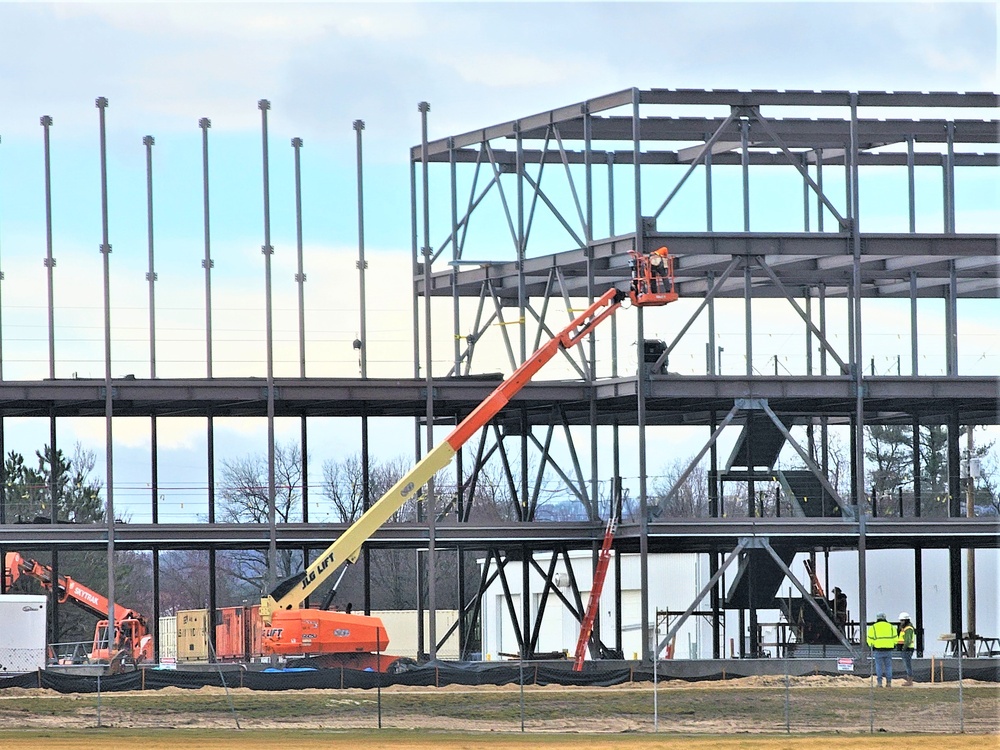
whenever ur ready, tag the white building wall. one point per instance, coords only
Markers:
(675, 580)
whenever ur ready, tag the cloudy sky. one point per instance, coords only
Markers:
(323, 65)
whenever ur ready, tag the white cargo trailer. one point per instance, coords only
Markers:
(22, 633)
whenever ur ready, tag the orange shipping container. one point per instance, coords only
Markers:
(237, 633)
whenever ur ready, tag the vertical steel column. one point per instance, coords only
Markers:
(53, 515)
(417, 442)
(50, 262)
(300, 276)
(954, 508)
(148, 141)
(615, 429)
(102, 104)
(207, 263)
(708, 189)
(917, 500)
(267, 250)
(748, 314)
(745, 165)
(213, 602)
(951, 299)
(455, 254)
(951, 320)
(819, 193)
(362, 264)
(858, 458)
(709, 223)
(300, 280)
(713, 363)
(156, 603)
(810, 429)
(747, 280)
(805, 194)
(955, 591)
(911, 184)
(918, 591)
(640, 377)
(591, 339)
(424, 108)
(715, 511)
(914, 361)
(824, 429)
(522, 308)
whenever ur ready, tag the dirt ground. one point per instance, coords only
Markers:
(396, 740)
(740, 713)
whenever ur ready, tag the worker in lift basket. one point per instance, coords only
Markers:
(882, 637)
(658, 269)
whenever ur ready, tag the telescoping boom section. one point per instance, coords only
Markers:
(291, 630)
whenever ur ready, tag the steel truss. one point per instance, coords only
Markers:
(548, 164)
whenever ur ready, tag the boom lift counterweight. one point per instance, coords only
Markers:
(290, 630)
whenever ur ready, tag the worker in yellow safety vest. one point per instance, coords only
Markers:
(882, 636)
(906, 644)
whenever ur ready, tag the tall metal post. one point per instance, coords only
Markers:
(858, 458)
(424, 108)
(911, 184)
(148, 141)
(50, 262)
(456, 255)
(300, 275)
(102, 104)
(362, 264)
(359, 126)
(207, 263)
(300, 281)
(272, 550)
(640, 378)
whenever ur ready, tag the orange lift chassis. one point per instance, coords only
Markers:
(357, 640)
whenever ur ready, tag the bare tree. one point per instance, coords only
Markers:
(244, 491)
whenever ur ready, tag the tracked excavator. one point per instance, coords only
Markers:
(343, 639)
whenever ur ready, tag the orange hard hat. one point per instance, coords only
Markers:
(662, 251)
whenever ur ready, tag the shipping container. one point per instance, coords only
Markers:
(237, 633)
(22, 633)
(168, 637)
(192, 635)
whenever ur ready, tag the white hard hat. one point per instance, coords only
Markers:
(904, 615)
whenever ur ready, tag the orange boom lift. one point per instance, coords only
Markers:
(130, 637)
(357, 641)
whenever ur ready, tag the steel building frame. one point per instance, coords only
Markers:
(511, 296)
(619, 135)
